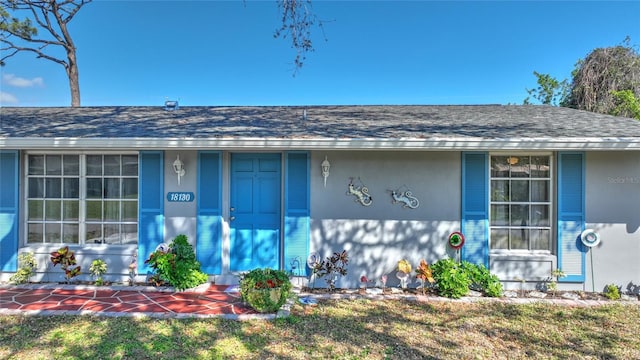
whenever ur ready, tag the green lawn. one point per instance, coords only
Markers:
(344, 329)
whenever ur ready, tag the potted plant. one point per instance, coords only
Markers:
(265, 290)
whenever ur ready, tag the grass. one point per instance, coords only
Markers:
(358, 329)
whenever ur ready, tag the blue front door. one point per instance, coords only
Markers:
(255, 211)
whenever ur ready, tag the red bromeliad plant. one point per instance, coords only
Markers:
(264, 279)
(265, 290)
(66, 258)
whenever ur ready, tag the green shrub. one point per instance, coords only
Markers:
(475, 274)
(454, 280)
(493, 287)
(612, 292)
(482, 280)
(265, 290)
(27, 268)
(451, 279)
(177, 266)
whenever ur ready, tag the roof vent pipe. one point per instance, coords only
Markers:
(304, 114)
(170, 105)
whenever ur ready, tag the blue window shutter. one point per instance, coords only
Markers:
(297, 211)
(209, 216)
(9, 180)
(475, 207)
(571, 216)
(151, 219)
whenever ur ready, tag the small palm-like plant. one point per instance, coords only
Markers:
(98, 268)
(553, 283)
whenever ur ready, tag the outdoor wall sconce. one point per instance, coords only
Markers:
(325, 170)
(178, 167)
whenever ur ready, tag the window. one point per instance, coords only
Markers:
(520, 203)
(82, 199)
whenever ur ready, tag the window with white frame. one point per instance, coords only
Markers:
(82, 198)
(520, 202)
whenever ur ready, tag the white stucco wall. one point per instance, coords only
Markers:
(180, 217)
(613, 210)
(378, 236)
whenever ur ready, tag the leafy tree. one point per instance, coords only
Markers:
(626, 104)
(603, 74)
(53, 16)
(9, 25)
(606, 81)
(550, 91)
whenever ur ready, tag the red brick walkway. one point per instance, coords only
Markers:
(206, 301)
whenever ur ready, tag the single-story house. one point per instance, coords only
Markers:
(531, 189)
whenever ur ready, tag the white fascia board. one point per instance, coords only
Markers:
(431, 144)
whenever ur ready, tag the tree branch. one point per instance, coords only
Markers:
(52, 16)
(16, 49)
(297, 22)
(74, 8)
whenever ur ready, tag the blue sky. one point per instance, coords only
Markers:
(376, 52)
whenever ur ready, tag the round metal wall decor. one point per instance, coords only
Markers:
(313, 260)
(590, 238)
(456, 240)
(164, 247)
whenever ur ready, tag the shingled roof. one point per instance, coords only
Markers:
(392, 127)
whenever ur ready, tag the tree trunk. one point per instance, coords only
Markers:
(70, 48)
(72, 74)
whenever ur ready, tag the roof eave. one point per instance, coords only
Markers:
(409, 144)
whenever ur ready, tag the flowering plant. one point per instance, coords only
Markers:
(364, 281)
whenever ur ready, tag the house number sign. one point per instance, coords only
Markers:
(180, 196)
